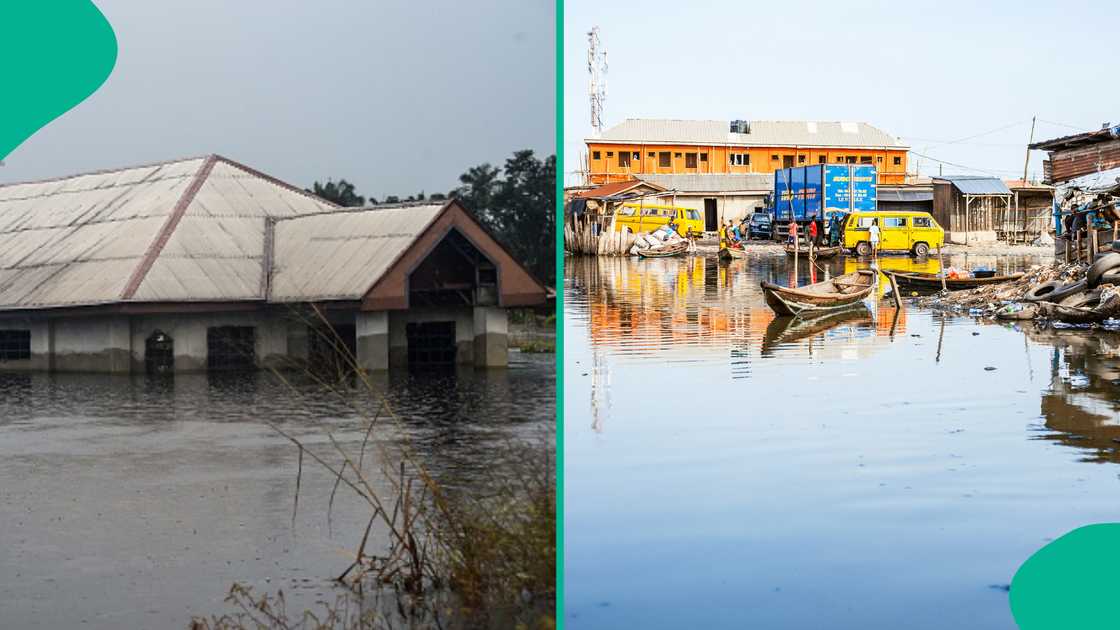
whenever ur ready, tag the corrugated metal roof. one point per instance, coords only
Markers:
(766, 133)
(182, 230)
(903, 196)
(977, 184)
(340, 255)
(755, 183)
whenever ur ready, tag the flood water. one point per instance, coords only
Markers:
(136, 503)
(883, 469)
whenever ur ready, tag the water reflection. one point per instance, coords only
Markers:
(1081, 408)
(762, 458)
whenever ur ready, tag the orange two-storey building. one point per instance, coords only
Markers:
(650, 146)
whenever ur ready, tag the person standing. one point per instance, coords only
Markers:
(813, 233)
(792, 231)
(873, 232)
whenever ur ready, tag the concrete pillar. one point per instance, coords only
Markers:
(372, 332)
(491, 341)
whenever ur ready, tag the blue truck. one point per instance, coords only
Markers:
(821, 190)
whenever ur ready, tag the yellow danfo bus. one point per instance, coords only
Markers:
(647, 218)
(914, 232)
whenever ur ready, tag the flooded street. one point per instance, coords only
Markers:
(878, 469)
(136, 503)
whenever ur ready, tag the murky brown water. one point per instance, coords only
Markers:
(723, 469)
(133, 503)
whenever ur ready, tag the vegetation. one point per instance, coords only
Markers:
(478, 557)
(341, 193)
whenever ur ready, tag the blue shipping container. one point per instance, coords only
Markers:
(823, 189)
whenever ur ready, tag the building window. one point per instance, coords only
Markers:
(801, 159)
(663, 159)
(822, 159)
(740, 159)
(610, 154)
(624, 159)
(774, 157)
(677, 155)
(15, 345)
(851, 159)
(703, 157)
(690, 160)
(898, 161)
(231, 347)
(879, 159)
(637, 156)
(594, 155)
(865, 159)
(839, 159)
(650, 154)
(159, 353)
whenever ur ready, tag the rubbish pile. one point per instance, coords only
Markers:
(1073, 293)
(663, 238)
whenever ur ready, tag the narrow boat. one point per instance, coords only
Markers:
(672, 249)
(727, 253)
(839, 292)
(922, 282)
(818, 252)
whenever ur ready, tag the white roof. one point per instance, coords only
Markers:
(763, 133)
(338, 256)
(186, 230)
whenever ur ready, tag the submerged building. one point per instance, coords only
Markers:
(207, 264)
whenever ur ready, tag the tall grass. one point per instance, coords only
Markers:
(483, 557)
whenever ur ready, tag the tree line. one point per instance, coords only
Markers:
(516, 202)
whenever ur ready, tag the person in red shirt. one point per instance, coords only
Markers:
(813, 230)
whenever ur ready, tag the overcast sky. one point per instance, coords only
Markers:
(931, 73)
(395, 96)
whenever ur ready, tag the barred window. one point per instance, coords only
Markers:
(15, 345)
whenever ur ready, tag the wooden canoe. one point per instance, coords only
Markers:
(727, 253)
(819, 252)
(925, 282)
(673, 249)
(837, 293)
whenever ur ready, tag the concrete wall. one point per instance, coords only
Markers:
(116, 344)
(92, 344)
(271, 338)
(40, 346)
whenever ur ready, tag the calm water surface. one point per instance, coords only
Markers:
(134, 503)
(876, 470)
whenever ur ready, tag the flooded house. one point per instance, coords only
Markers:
(207, 264)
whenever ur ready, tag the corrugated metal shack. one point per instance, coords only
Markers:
(967, 206)
(589, 217)
(1085, 171)
(206, 263)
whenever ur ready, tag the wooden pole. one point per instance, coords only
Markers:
(1027, 161)
(896, 296)
(796, 246)
(941, 261)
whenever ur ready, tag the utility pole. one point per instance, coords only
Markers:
(1027, 162)
(597, 68)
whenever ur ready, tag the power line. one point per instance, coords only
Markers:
(1074, 127)
(992, 172)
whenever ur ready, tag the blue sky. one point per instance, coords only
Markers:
(930, 73)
